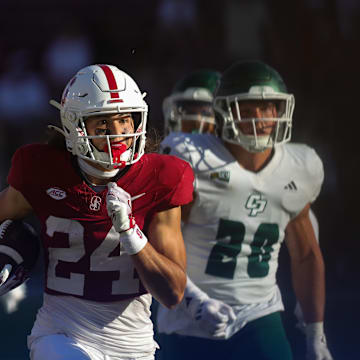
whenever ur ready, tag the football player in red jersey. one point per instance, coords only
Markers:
(110, 222)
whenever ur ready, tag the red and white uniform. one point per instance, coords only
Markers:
(92, 290)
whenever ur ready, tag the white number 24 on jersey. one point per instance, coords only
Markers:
(100, 259)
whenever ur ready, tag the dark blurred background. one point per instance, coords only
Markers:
(314, 44)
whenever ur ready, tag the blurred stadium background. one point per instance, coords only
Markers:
(314, 44)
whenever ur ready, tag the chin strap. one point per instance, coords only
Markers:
(91, 170)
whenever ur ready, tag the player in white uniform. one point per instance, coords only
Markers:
(252, 188)
(110, 223)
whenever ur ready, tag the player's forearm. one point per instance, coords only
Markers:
(162, 277)
(309, 286)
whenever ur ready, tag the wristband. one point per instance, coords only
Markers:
(193, 291)
(133, 240)
(315, 329)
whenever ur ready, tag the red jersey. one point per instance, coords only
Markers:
(83, 255)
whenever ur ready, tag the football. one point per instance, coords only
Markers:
(19, 247)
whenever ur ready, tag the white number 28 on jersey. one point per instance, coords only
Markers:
(265, 236)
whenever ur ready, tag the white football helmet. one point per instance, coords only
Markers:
(97, 90)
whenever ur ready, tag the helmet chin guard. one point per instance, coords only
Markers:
(102, 90)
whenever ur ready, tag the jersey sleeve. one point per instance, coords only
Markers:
(16, 176)
(183, 193)
(184, 147)
(306, 168)
(315, 170)
(176, 144)
(178, 178)
(35, 168)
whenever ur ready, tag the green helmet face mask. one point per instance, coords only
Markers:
(253, 81)
(191, 100)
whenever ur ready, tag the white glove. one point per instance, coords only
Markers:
(211, 315)
(118, 204)
(316, 347)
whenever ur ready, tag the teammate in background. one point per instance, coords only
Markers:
(190, 106)
(110, 215)
(251, 189)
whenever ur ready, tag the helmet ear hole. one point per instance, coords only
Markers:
(82, 149)
(71, 116)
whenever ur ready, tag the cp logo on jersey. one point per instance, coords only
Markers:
(256, 204)
(95, 203)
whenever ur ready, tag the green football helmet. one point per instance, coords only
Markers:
(191, 100)
(253, 81)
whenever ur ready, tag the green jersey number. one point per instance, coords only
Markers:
(223, 256)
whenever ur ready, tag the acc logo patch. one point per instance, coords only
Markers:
(56, 193)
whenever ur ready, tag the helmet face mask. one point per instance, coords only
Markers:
(115, 154)
(102, 90)
(258, 84)
(190, 106)
(189, 113)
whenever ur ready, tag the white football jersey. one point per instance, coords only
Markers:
(238, 220)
